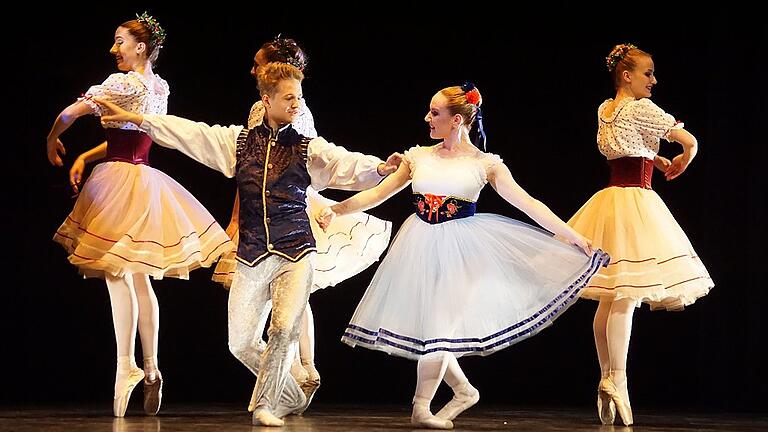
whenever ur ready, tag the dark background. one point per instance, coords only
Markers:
(368, 84)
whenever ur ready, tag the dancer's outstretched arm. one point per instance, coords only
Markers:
(501, 179)
(367, 199)
(212, 146)
(333, 166)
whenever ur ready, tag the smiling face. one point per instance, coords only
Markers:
(127, 50)
(641, 79)
(284, 105)
(280, 88)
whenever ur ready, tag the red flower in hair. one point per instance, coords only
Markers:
(473, 96)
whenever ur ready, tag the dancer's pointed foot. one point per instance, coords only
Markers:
(464, 397)
(124, 385)
(153, 393)
(606, 409)
(422, 417)
(620, 397)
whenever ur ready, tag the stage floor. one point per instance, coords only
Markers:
(322, 418)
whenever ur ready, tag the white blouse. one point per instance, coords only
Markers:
(633, 129)
(132, 92)
(461, 177)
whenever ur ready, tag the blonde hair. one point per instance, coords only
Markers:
(623, 57)
(269, 76)
(457, 103)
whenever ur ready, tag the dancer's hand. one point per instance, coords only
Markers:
(679, 164)
(391, 165)
(324, 217)
(582, 243)
(661, 163)
(54, 147)
(118, 114)
(76, 174)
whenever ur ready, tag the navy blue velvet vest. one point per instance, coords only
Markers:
(272, 179)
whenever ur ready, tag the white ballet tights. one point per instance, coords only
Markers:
(613, 329)
(149, 323)
(134, 307)
(599, 327)
(431, 370)
(429, 373)
(125, 313)
(307, 341)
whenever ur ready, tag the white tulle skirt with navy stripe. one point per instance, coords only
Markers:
(470, 286)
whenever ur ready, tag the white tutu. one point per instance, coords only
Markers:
(135, 219)
(652, 259)
(470, 286)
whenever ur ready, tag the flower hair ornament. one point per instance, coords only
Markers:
(617, 55)
(286, 49)
(158, 34)
(472, 93)
(473, 97)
